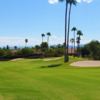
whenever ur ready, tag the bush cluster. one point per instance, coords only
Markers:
(92, 50)
(54, 52)
(25, 52)
(43, 50)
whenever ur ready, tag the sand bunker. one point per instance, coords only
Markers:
(17, 59)
(86, 63)
(51, 59)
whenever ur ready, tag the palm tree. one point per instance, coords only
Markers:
(74, 29)
(74, 3)
(26, 40)
(48, 40)
(79, 33)
(78, 42)
(65, 28)
(71, 2)
(72, 41)
(42, 36)
(49, 34)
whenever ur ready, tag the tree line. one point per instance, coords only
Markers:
(43, 50)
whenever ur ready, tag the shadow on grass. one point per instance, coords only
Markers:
(5, 59)
(50, 66)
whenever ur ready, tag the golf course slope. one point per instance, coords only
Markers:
(35, 79)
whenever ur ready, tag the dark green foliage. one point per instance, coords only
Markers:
(85, 50)
(27, 51)
(19, 52)
(8, 53)
(91, 50)
(7, 47)
(94, 47)
(37, 47)
(5, 53)
(49, 34)
(26, 40)
(44, 46)
(52, 47)
(33, 48)
(54, 52)
(4, 48)
(15, 47)
(42, 34)
(59, 46)
(1, 52)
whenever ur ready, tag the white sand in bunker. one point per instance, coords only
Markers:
(52, 59)
(86, 63)
(16, 59)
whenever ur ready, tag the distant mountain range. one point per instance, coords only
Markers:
(81, 45)
(20, 47)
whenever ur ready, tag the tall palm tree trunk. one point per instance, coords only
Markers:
(25, 44)
(42, 39)
(65, 30)
(48, 40)
(78, 48)
(71, 48)
(48, 44)
(68, 32)
(74, 44)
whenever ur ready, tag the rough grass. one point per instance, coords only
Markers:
(35, 79)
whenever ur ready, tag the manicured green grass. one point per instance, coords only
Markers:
(35, 79)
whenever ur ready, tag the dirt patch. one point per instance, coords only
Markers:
(86, 63)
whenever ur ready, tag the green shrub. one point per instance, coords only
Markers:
(27, 51)
(1, 52)
(7, 53)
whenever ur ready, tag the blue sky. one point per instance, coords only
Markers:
(21, 19)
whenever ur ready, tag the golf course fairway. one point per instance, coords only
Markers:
(35, 79)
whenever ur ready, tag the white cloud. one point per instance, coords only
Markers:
(56, 1)
(54, 37)
(78, 0)
(62, 38)
(88, 1)
(18, 41)
(53, 1)
(85, 41)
